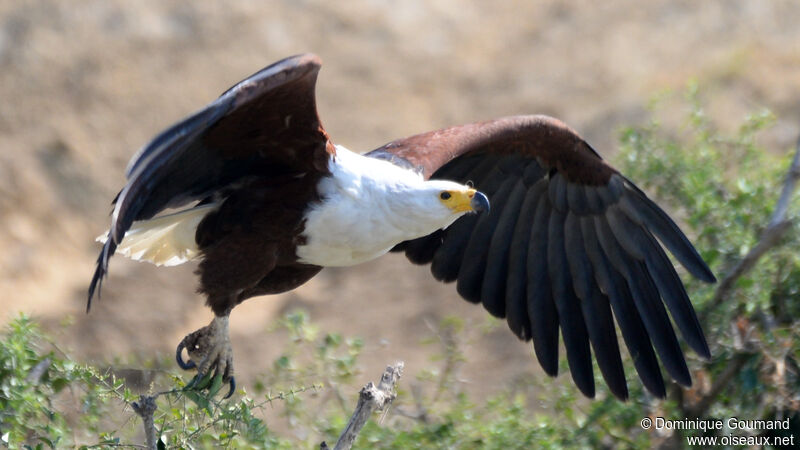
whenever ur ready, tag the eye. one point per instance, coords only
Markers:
(444, 195)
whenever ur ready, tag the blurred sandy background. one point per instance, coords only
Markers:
(83, 84)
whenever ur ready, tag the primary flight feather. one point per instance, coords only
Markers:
(568, 245)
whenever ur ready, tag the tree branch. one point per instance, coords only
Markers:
(777, 227)
(145, 408)
(37, 371)
(370, 398)
(788, 189)
(734, 367)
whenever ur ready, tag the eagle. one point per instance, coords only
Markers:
(253, 187)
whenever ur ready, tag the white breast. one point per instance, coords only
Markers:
(369, 206)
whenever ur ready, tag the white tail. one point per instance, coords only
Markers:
(166, 240)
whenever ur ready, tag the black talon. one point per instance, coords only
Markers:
(194, 381)
(183, 365)
(190, 384)
(233, 388)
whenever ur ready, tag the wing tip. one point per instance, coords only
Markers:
(703, 352)
(679, 372)
(705, 274)
(671, 236)
(95, 286)
(292, 67)
(100, 272)
(310, 60)
(307, 58)
(620, 392)
(659, 391)
(694, 263)
(547, 360)
(585, 384)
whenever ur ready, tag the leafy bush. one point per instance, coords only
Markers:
(723, 187)
(36, 385)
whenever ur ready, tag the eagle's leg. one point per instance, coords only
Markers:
(209, 348)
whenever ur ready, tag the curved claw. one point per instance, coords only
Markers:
(179, 358)
(191, 384)
(210, 354)
(233, 388)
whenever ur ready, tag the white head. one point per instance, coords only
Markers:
(424, 207)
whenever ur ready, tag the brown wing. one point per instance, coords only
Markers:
(568, 240)
(266, 125)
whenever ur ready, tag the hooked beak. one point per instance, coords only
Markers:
(479, 202)
(468, 201)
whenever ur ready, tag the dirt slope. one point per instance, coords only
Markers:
(85, 83)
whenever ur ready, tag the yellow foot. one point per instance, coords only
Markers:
(209, 348)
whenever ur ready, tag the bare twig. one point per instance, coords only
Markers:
(777, 227)
(421, 413)
(370, 398)
(38, 370)
(734, 367)
(788, 188)
(145, 408)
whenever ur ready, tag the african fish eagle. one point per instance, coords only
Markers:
(269, 201)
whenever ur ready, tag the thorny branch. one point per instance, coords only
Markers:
(734, 367)
(777, 227)
(370, 398)
(145, 408)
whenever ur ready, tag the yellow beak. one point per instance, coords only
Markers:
(468, 201)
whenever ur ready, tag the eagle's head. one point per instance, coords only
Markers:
(438, 203)
(460, 199)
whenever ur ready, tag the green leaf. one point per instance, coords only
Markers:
(215, 386)
(200, 400)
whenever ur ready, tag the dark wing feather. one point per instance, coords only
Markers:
(493, 290)
(646, 299)
(264, 126)
(542, 310)
(569, 243)
(473, 265)
(595, 307)
(516, 276)
(643, 246)
(630, 323)
(570, 316)
(421, 251)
